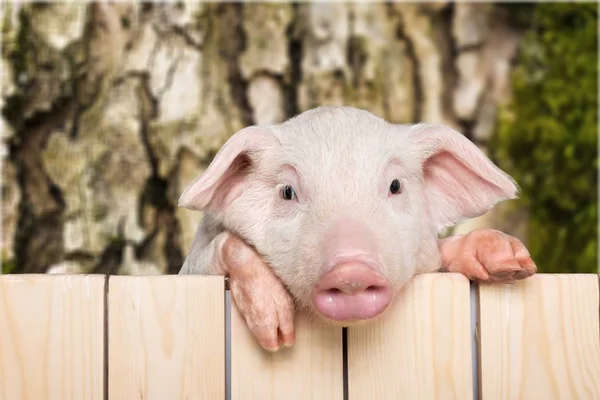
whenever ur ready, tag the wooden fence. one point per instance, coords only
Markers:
(167, 337)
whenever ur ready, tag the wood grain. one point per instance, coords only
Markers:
(420, 349)
(166, 337)
(52, 337)
(540, 338)
(310, 369)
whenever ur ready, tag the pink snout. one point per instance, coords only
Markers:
(351, 292)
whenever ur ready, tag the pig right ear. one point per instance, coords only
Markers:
(225, 178)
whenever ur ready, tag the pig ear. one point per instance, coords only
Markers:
(225, 178)
(459, 180)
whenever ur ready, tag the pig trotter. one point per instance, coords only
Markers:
(487, 255)
(259, 295)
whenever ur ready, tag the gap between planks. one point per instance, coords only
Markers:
(105, 360)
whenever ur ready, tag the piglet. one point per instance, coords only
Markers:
(335, 210)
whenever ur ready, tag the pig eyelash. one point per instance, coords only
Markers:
(395, 187)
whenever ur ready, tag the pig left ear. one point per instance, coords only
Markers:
(226, 176)
(459, 180)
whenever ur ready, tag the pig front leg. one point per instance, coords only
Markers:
(259, 295)
(487, 255)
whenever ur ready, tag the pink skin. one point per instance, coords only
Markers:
(351, 286)
(351, 291)
(312, 202)
(487, 255)
(259, 295)
(484, 255)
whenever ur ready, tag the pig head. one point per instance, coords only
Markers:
(345, 207)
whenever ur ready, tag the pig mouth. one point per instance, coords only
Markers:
(351, 293)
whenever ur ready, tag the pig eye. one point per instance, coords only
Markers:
(288, 193)
(395, 187)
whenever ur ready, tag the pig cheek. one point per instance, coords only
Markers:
(401, 242)
(249, 215)
(284, 251)
(400, 263)
(425, 237)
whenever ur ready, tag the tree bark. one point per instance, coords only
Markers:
(109, 110)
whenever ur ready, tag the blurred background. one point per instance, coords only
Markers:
(109, 110)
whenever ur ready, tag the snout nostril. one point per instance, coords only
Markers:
(337, 291)
(374, 289)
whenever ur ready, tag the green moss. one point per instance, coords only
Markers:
(19, 51)
(116, 240)
(125, 22)
(518, 15)
(8, 30)
(21, 55)
(8, 265)
(547, 138)
(262, 43)
(99, 213)
(34, 64)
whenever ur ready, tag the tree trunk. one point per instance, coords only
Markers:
(110, 110)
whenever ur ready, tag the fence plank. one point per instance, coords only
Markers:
(421, 349)
(311, 369)
(166, 337)
(52, 344)
(540, 338)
